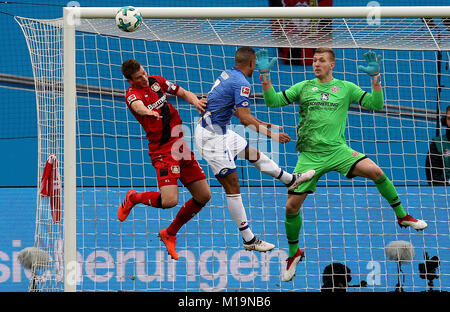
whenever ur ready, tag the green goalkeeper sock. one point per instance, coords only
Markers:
(293, 224)
(388, 191)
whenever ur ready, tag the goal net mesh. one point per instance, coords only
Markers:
(345, 221)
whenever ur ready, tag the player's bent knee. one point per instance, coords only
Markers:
(376, 172)
(368, 169)
(291, 209)
(169, 202)
(204, 197)
(294, 203)
(200, 191)
(230, 183)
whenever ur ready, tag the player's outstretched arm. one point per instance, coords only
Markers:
(250, 121)
(139, 108)
(269, 125)
(264, 66)
(372, 69)
(374, 100)
(191, 98)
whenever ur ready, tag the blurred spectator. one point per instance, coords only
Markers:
(437, 163)
(305, 30)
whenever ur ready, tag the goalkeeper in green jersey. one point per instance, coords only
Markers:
(323, 106)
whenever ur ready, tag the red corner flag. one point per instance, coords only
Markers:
(51, 186)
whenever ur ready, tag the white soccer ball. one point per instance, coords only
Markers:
(128, 19)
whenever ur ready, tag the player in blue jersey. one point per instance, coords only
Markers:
(219, 145)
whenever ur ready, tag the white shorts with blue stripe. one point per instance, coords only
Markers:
(219, 149)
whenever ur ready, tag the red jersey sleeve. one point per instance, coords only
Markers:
(132, 95)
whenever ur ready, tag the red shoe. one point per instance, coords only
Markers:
(407, 220)
(126, 206)
(292, 265)
(169, 241)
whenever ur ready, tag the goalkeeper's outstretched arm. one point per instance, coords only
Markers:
(273, 98)
(374, 100)
(264, 66)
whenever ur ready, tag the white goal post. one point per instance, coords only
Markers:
(353, 28)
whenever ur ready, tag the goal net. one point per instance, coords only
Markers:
(102, 150)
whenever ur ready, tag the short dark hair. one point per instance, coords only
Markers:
(129, 67)
(326, 50)
(244, 55)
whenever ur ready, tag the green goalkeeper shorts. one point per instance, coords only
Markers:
(343, 160)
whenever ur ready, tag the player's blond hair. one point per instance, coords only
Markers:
(326, 50)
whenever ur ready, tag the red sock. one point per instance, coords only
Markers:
(147, 198)
(186, 213)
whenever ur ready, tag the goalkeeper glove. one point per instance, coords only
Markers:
(263, 65)
(373, 65)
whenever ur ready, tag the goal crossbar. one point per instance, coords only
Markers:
(268, 12)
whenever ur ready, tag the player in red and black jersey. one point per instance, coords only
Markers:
(170, 155)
